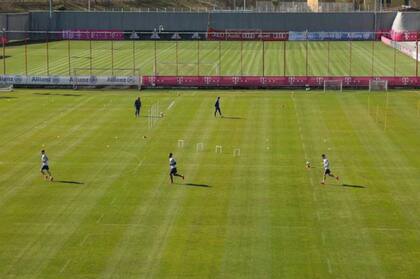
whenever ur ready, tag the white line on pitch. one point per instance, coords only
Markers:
(317, 215)
(170, 105)
(113, 200)
(99, 219)
(329, 265)
(84, 240)
(65, 266)
(323, 238)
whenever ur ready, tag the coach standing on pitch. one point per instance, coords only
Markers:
(137, 105)
(217, 107)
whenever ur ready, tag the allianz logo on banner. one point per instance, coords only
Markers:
(66, 80)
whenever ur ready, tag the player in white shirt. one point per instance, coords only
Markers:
(172, 168)
(45, 167)
(327, 170)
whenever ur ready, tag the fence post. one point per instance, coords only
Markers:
(68, 54)
(26, 54)
(307, 58)
(242, 70)
(90, 53)
(112, 57)
(134, 57)
(417, 54)
(198, 57)
(176, 58)
(263, 58)
(48, 59)
(395, 61)
(328, 58)
(373, 54)
(284, 58)
(350, 56)
(155, 54)
(220, 57)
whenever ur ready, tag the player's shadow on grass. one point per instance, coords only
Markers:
(353, 186)
(196, 185)
(233, 117)
(69, 182)
(7, 97)
(6, 56)
(56, 94)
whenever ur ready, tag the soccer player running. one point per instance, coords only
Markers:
(45, 167)
(172, 168)
(217, 107)
(327, 170)
(137, 105)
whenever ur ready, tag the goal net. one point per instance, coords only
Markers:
(378, 85)
(333, 85)
(5, 87)
(105, 78)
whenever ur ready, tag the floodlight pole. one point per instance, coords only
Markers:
(417, 54)
(50, 4)
(26, 54)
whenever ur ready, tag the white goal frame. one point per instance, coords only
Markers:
(336, 85)
(5, 87)
(378, 85)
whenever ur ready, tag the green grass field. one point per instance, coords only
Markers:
(322, 58)
(112, 213)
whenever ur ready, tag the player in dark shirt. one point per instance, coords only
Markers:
(137, 105)
(217, 107)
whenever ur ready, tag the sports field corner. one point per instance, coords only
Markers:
(111, 211)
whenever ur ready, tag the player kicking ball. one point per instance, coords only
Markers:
(45, 169)
(327, 170)
(172, 168)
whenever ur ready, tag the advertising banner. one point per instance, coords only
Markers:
(246, 35)
(80, 34)
(330, 36)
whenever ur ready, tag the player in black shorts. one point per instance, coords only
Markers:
(172, 168)
(327, 171)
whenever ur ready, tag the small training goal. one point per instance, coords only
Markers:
(378, 85)
(333, 85)
(5, 87)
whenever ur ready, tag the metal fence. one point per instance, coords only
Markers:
(251, 53)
